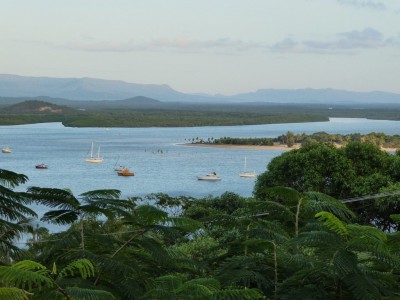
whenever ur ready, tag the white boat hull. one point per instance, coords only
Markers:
(94, 160)
(209, 177)
(248, 175)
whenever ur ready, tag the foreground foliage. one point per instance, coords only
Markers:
(286, 243)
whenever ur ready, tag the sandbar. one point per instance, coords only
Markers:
(247, 147)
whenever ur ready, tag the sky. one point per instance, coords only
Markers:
(208, 46)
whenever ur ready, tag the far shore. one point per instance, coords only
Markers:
(255, 147)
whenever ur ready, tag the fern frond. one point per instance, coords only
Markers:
(345, 262)
(26, 274)
(361, 287)
(321, 202)
(374, 241)
(395, 217)
(168, 282)
(332, 222)
(288, 195)
(318, 239)
(101, 194)
(51, 197)
(82, 266)
(244, 294)
(11, 293)
(185, 224)
(146, 215)
(88, 294)
(191, 290)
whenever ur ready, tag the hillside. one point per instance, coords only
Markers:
(37, 107)
(91, 89)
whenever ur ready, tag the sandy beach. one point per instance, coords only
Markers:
(254, 147)
(247, 147)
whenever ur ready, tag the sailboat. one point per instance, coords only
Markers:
(93, 159)
(245, 173)
(118, 168)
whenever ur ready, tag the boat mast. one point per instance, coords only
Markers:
(91, 151)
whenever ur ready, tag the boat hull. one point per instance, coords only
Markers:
(41, 166)
(125, 172)
(94, 160)
(208, 178)
(248, 175)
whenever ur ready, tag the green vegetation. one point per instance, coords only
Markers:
(149, 113)
(289, 139)
(354, 170)
(293, 240)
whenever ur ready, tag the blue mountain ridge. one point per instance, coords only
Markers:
(100, 89)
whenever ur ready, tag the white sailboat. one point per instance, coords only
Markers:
(245, 173)
(93, 159)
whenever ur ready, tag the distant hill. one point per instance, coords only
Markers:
(39, 107)
(90, 89)
(85, 89)
(316, 96)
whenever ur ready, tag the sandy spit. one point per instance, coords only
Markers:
(253, 147)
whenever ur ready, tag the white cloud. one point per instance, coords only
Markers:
(378, 5)
(346, 42)
(163, 44)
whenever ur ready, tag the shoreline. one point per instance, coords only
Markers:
(254, 147)
(247, 147)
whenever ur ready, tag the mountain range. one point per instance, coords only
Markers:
(91, 89)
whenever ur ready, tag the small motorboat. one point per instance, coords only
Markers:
(210, 177)
(125, 172)
(119, 168)
(41, 166)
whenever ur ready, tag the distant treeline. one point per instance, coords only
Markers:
(289, 139)
(157, 118)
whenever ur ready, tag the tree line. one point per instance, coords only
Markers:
(290, 139)
(294, 239)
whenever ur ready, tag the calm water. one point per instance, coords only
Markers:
(154, 154)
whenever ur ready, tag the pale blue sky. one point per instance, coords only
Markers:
(208, 46)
